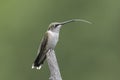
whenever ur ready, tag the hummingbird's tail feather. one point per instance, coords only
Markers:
(37, 67)
(38, 62)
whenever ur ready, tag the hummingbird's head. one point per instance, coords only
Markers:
(55, 26)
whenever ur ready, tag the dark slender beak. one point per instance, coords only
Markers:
(74, 20)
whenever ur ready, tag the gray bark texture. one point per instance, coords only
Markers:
(53, 66)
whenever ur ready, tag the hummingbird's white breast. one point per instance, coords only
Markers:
(52, 39)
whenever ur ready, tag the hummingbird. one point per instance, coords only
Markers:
(50, 40)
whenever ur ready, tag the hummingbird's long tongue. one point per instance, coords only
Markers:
(75, 20)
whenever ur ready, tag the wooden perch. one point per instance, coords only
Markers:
(53, 66)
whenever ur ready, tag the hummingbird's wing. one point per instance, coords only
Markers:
(41, 56)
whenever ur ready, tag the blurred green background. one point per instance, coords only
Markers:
(84, 52)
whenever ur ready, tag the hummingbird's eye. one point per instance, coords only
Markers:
(56, 25)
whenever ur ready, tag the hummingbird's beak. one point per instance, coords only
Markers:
(74, 20)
